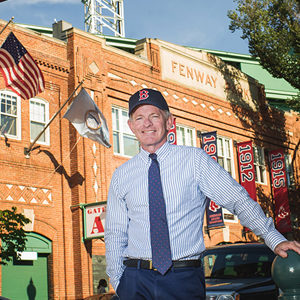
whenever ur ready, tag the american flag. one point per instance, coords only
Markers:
(22, 75)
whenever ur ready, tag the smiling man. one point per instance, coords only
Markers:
(155, 210)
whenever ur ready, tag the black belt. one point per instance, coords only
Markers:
(147, 264)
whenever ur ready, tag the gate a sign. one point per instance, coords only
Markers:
(94, 220)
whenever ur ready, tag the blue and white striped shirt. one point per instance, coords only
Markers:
(188, 176)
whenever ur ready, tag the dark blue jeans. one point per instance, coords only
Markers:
(176, 284)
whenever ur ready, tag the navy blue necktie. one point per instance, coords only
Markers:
(160, 241)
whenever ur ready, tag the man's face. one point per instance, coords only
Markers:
(150, 126)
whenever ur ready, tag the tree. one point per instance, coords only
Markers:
(272, 28)
(12, 234)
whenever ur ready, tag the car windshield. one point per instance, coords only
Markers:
(238, 263)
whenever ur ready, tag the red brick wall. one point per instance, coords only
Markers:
(65, 167)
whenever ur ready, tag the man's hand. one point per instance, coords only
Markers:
(281, 249)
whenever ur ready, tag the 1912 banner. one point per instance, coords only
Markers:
(172, 138)
(246, 165)
(280, 192)
(214, 215)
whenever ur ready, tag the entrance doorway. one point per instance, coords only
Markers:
(28, 278)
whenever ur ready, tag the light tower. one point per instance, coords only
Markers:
(104, 17)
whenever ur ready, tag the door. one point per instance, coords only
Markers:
(28, 279)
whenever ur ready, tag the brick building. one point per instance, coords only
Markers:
(65, 172)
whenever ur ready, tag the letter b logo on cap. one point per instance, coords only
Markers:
(143, 95)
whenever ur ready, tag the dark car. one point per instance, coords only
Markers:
(239, 272)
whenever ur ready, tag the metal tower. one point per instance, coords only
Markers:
(104, 17)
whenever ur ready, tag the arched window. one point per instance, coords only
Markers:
(10, 114)
(39, 117)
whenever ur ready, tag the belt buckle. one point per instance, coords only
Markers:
(151, 266)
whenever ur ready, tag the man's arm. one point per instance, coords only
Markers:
(282, 248)
(219, 186)
(116, 237)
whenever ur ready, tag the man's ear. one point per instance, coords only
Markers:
(170, 122)
(129, 122)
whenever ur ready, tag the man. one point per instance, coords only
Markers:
(183, 177)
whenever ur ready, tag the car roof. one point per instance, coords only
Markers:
(238, 246)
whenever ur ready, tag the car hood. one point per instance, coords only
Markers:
(235, 284)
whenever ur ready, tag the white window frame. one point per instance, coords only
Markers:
(47, 131)
(123, 129)
(259, 151)
(185, 133)
(289, 170)
(227, 212)
(230, 156)
(18, 115)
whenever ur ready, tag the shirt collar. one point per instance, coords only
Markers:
(161, 153)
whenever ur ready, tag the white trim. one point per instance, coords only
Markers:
(260, 151)
(225, 155)
(18, 115)
(121, 131)
(185, 133)
(47, 131)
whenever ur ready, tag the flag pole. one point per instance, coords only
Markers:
(11, 19)
(30, 148)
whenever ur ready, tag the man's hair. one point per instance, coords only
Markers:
(166, 113)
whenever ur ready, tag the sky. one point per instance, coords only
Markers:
(196, 23)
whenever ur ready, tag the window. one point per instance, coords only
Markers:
(225, 154)
(259, 165)
(289, 170)
(99, 270)
(124, 141)
(185, 136)
(39, 116)
(10, 115)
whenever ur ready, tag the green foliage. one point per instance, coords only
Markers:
(12, 235)
(272, 28)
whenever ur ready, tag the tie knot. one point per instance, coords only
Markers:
(153, 156)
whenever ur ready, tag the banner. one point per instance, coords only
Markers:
(246, 166)
(280, 191)
(87, 118)
(172, 138)
(94, 215)
(214, 215)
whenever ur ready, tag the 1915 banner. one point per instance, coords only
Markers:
(280, 191)
(94, 215)
(214, 215)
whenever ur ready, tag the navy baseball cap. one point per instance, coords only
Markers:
(147, 96)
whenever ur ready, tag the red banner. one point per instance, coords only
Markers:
(214, 215)
(172, 134)
(246, 165)
(280, 191)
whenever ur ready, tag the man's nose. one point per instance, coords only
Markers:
(147, 122)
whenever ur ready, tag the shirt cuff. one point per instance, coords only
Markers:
(274, 238)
